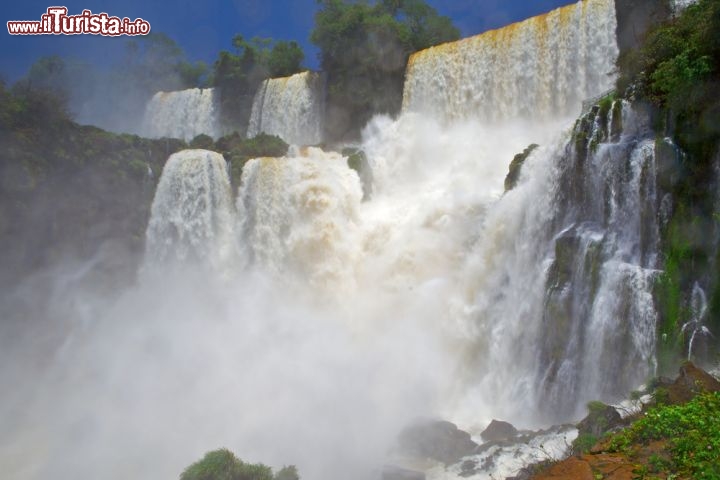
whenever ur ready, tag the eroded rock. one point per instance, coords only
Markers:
(498, 431)
(438, 440)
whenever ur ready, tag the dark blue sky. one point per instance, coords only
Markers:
(202, 28)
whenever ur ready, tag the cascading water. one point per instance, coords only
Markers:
(183, 114)
(192, 211)
(336, 321)
(291, 108)
(696, 328)
(299, 214)
(562, 275)
(541, 68)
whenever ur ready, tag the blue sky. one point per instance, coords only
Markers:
(202, 28)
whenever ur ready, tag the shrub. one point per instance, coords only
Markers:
(202, 141)
(287, 473)
(692, 431)
(583, 443)
(222, 464)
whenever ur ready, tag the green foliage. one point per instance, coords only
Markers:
(364, 50)
(222, 464)
(583, 443)
(661, 396)
(238, 150)
(94, 184)
(596, 407)
(156, 62)
(355, 159)
(284, 59)
(116, 97)
(287, 473)
(28, 107)
(606, 105)
(202, 141)
(47, 72)
(518, 161)
(691, 430)
(193, 74)
(238, 74)
(677, 69)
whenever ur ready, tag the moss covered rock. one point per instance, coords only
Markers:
(516, 165)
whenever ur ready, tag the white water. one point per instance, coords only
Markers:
(191, 217)
(300, 325)
(507, 459)
(183, 114)
(680, 5)
(291, 108)
(298, 216)
(696, 328)
(538, 69)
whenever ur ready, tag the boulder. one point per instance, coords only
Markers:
(498, 431)
(600, 419)
(691, 381)
(438, 440)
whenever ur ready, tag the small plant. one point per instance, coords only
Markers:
(222, 464)
(202, 141)
(692, 432)
(661, 396)
(596, 406)
(287, 473)
(583, 443)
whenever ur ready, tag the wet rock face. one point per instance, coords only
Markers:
(498, 431)
(691, 382)
(600, 419)
(634, 17)
(438, 440)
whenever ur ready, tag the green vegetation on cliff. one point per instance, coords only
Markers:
(364, 51)
(67, 189)
(237, 150)
(675, 436)
(691, 433)
(676, 69)
(238, 74)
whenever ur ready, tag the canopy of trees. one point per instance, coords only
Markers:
(364, 50)
(238, 74)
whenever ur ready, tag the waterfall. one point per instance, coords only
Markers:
(318, 324)
(543, 67)
(291, 108)
(183, 114)
(192, 212)
(695, 328)
(298, 215)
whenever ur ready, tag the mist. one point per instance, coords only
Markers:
(295, 320)
(303, 326)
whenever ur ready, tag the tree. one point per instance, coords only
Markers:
(222, 464)
(287, 473)
(47, 72)
(156, 62)
(285, 59)
(238, 74)
(364, 51)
